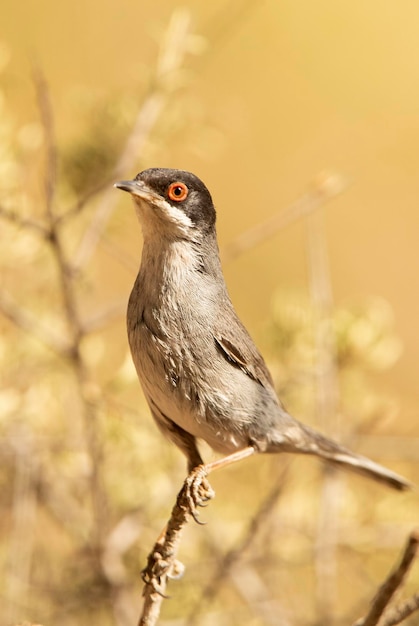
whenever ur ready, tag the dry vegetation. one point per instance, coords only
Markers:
(87, 483)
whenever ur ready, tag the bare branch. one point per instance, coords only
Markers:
(162, 563)
(325, 188)
(402, 611)
(174, 48)
(47, 120)
(327, 406)
(101, 319)
(27, 322)
(23, 222)
(392, 583)
(82, 202)
(230, 559)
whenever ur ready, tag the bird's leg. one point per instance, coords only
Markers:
(197, 488)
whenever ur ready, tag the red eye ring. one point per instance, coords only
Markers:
(177, 191)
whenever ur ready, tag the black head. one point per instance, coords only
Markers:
(178, 198)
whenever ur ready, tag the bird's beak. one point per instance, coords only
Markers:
(137, 188)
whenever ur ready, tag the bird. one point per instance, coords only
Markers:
(202, 375)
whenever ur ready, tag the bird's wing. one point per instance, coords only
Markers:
(246, 357)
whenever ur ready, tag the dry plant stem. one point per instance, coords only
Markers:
(23, 222)
(172, 53)
(233, 556)
(402, 611)
(27, 322)
(163, 557)
(327, 408)
(67, 281)
(391, 584)
(161, 562)
(316, 197)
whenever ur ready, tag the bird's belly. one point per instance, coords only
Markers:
(199, 409)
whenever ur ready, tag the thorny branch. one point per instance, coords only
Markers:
(389, 587)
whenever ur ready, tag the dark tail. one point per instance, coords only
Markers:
(309, 441)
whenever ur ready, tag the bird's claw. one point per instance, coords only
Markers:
(197, 491)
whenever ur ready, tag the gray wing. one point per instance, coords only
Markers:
(236, 345)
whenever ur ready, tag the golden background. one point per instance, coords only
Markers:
(266, 102)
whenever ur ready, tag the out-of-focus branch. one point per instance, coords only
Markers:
(327, 406)
(102, 318)
(323, 189)
(229, 560)
(24, 511)
(27, 322)
(67, 283)
(47, 119)
(23, 222)
(390, 586)
(176, 44)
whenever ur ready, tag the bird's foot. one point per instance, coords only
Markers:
(197, 490)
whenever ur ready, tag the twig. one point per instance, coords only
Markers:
(230, 559)
(161, 563)
(69, 293)
(324, 188)
(327, 408)
(103, 318)
(23, 513)
(23, 222)
(83, 201)
(47, 120)
(391, 584)
(174, 48)
(402, 611)
(27, 322)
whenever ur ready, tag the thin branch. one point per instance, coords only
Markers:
(23, 222)
(174, 48)
(47, 119)
(84, 200)
(327, 408)
(67, 282)
(103, 318)
(27, 322)
(392, 583)
(162, 563)
(322, 190)
(402, 611)
(231, 558)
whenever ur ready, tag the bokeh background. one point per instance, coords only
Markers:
(303, 110)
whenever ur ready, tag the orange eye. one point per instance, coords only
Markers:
(177, 192)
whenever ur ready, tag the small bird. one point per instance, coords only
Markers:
(201, 373)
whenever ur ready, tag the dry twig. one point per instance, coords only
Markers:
(162, 563)
(229, 560)
(174, 48)
(402, 611)
(324, 188)
(389, 587)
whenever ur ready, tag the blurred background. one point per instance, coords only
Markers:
(302, 119)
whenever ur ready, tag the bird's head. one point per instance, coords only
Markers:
(171, 203)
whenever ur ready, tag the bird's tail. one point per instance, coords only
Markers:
(309, 441)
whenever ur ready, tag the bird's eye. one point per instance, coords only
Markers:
(177, 192)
